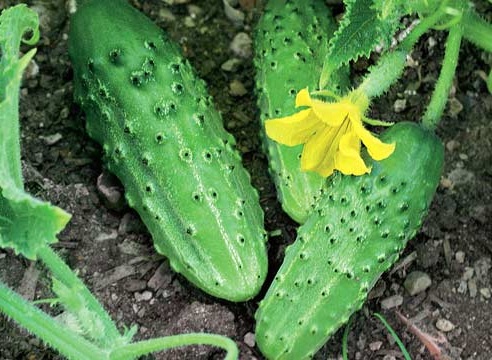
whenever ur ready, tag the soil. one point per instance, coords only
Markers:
(108, 246)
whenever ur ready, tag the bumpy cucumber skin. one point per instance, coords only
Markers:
(165, 141)
(291, 42)
(355, 234)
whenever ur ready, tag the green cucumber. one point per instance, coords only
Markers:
(163, 138)
(357, 232)
(290, 44)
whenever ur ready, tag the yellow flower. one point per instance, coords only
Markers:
(331, 133)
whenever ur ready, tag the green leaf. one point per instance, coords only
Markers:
(366, 24)
(26, 224)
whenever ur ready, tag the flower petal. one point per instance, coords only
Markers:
(375, 147)
(348, 159)
(325, 157)
(303, 98)
(317, 147)
(293, 130)
(332, 114)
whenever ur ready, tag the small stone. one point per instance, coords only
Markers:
(236, 88)
(452, 145)
(376, 345)
(241, 45)
(432, 42)
(143, 296)
(482, 268)
(130, 223)
(106, 236)
(141, 313)
(389, 357)
(472, 288)
(455, 107)
(189, 22)
(445, 325)
(249, 339)
(51, 139)
(235, 15)
(194, 11)
(446, 183)
(161, 278)
(231, 65)
(416, 282)
(166, 15)
(485, 292)
(400, 105)
(32, 70)
(111, 191)
(468, 274)
(462, 287)
(460, 257)
(64, 113)
(134, 285)
(391, 302)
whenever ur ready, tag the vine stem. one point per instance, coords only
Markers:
(439, 97)
(63, 273)
(391, 65)
(133, 350)
(477, 30)
(53, 333)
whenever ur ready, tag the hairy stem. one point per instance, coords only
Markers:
(439, 97)
(147, 346)
(477, 30)
(63, 273)
(68, 343)
(391, 64)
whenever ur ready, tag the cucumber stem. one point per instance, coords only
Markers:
(63, 273)
(140, 348)
(52, 332)
(439, 97)
(477, 30)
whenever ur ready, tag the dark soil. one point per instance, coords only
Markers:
(113, 253)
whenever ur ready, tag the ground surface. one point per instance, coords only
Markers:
(113, 252)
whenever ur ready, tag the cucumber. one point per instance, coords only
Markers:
(165, 141)
(355, 233)
(290, 46)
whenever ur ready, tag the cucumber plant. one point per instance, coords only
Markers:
(291, 43)
(361, 223)
(163, 138)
